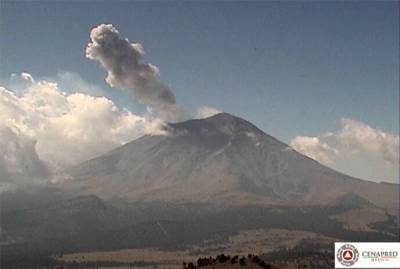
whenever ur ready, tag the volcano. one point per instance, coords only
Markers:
(201, 183)
(222, 159)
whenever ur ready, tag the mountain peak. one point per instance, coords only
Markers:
(223, 122)
(224, 116)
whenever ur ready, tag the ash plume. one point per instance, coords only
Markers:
(122, 60)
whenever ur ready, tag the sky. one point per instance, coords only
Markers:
(322, 76)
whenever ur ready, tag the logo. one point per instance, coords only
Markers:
(380, 256)
(347, 255)
(367, 255)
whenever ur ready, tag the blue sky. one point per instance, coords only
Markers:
(292, 68)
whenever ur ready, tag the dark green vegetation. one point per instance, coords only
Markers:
(223, 260)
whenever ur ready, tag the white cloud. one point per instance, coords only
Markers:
(67, 128)
(206, 111)
(122, 60)
(352, 138)
(314, 148)
(18, 158)
(360, 137)
(27, 77)
(354, 148)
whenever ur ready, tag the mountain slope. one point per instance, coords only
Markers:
(221, 159)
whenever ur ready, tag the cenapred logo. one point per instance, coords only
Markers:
(367, 255)
(347, 255)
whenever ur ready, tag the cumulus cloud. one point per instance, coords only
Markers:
(360, 137)
(355, 148)
(122, 60)
(27, 77)
(18, 158)
(24, 76)
(314, 148)
(64, 129)
(206, 111)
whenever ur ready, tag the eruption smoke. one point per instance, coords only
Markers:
(122, 59)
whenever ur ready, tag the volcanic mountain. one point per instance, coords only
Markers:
(194, 187)
(220, 159)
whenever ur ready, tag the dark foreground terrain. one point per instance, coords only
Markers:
(33, 236)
